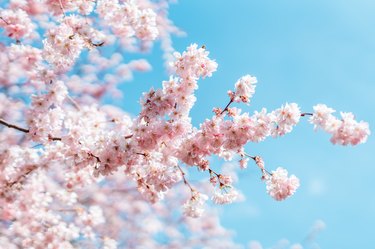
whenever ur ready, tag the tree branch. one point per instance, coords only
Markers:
(3, 122)
(9, 125)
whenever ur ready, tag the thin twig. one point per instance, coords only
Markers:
(3, 122)
(96, 157)
(226, 107)
(185, 180)
(255, 160)
(212, 171)
(7, 23)
(74, 103)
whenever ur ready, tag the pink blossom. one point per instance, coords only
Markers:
(16, 23)
(194, 63)
(244, 162)
(75, 173)
(225, 195)
(128, 19)
(285, 118)
(345, 131)
(245, 88)
(194, 207)
(280, 186)
(259, 161)
(225, 179)
(350, 131)
(322, 117)
(263, 123)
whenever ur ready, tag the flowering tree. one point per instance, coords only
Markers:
(77, 173)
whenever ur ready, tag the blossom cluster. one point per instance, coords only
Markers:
(128, 19)
(16, 23)
(345, 131)
(280, 186)
(65, 42)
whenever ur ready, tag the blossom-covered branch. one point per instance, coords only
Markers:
(85, 170)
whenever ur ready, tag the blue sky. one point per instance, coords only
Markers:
(307, 52)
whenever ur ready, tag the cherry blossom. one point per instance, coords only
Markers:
(280, 186)
(245, 88)
(194, 207)
(345, 131)
(225, 195)
(16, 23)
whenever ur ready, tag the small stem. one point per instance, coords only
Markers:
(3, 122)
(97, 158)
(226, 107)
(97, 44)
(141, 154)
(185, 180)
(7, 23)
(252, 157)
(62, 8)
(212, 171)
(74, 103)
(269, 173)
(306, 114)
(255, 160)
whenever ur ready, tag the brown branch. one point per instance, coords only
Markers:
(226, 107)
(3, 122)
(212, 171)
(96, 157)
(97, 44)
(7, 23)
(9, 125)
(54, 138)
(306, 114)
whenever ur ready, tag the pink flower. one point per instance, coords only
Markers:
(245, 88)
(350, 131)
(16, 23)
(129, 19)
(262, 125)
(259, 162)
(322, 117)
(244, 162)
(345, 131)
(280, 186)
(193, 63)
(285, 118)
(194, 207)
(225, 195)
(225, 179)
